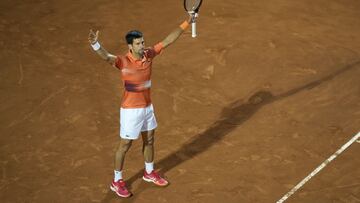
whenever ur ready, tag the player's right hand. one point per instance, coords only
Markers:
(93, 36)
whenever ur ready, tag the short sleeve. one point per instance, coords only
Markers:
(118, 62)
(155, 50)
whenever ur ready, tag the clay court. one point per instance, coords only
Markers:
(266, 92)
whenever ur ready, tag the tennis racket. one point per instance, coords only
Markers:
(192, 7)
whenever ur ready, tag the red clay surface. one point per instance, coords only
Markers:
(265, 93)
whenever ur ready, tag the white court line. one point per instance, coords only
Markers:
(327, 161)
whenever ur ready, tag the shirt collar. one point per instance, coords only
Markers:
(132, 58)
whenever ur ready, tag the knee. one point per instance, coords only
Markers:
(124, 146)
(149, 140)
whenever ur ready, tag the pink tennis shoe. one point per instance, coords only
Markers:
(120, 189)
(155, 178)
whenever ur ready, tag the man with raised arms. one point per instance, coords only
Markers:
(136, 112)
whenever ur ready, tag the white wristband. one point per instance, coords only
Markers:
(95, 46)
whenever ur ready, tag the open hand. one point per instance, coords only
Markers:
(93, 36)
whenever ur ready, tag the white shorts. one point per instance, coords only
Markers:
(136, 120)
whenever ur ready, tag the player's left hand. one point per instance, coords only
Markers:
(192, 16)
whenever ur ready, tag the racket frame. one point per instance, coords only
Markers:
(193, 22)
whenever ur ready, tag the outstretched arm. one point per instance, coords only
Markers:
(174, 35)
(101, 51)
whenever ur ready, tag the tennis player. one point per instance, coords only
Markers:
(136, 112)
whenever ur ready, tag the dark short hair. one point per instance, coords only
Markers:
(131, 35)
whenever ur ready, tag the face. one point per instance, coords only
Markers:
(138, 46)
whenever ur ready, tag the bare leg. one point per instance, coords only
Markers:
(150, 175)
(148, 145)
(124, 146)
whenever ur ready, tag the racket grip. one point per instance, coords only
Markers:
(193, 29)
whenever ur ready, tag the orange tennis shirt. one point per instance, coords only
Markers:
(136, 77)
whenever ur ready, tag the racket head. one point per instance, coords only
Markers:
(192, 5)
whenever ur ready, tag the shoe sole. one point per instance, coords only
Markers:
(151, 181)
(120, 195)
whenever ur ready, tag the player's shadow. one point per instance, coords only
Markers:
(231, 117)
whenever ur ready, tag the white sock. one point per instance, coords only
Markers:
(117, 175)
(149, 167)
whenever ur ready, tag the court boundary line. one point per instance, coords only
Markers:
(321, 166)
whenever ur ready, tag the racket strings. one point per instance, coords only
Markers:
(192, 5)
